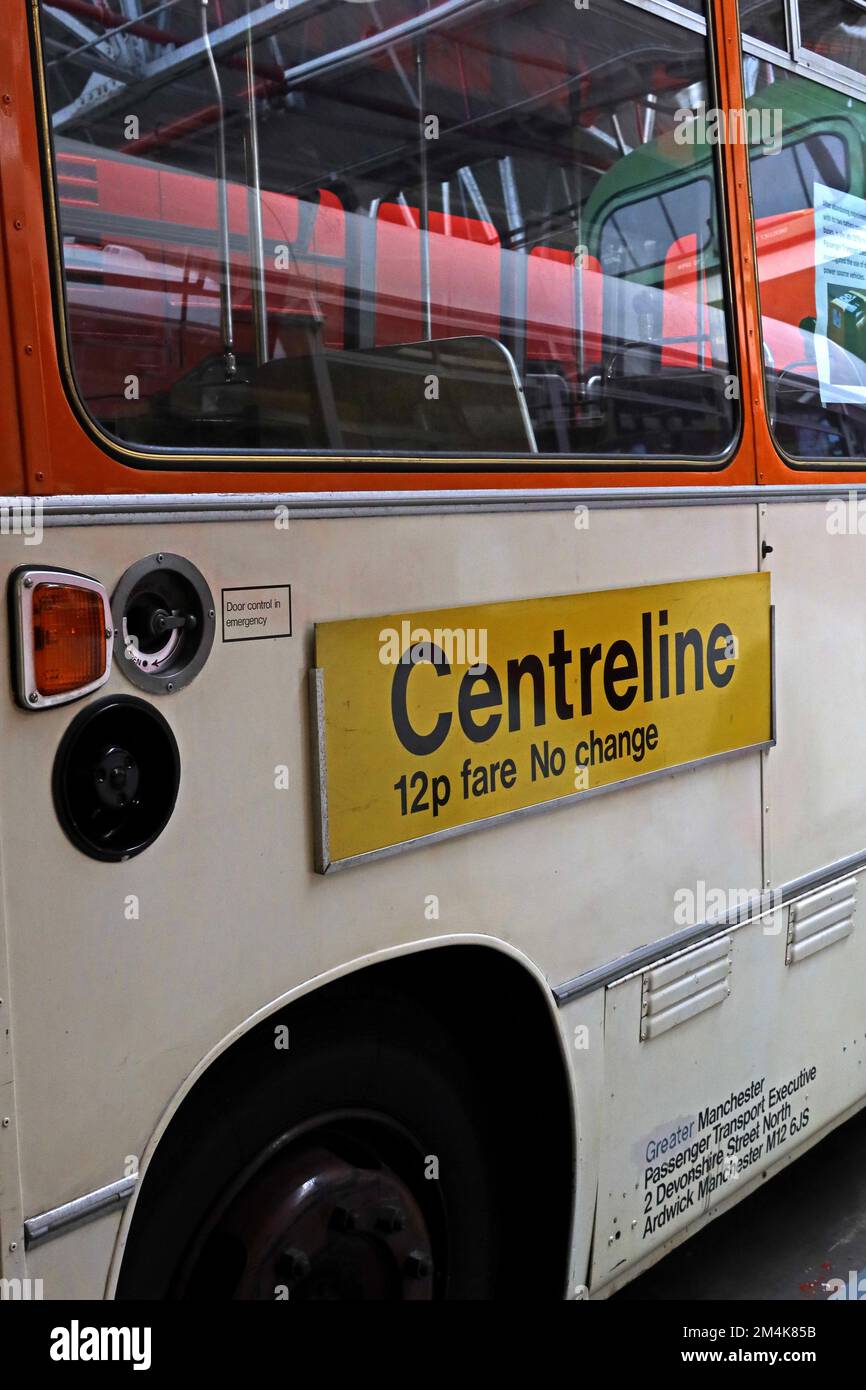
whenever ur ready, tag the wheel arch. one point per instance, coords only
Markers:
(501, 1014)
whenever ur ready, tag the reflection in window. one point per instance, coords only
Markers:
(787, 180)
(835, 30)
(810, 232)
(400, 228)
(639, 235)
(765, 20)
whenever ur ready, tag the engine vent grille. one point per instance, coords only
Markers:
(678, 990)
(821, 920)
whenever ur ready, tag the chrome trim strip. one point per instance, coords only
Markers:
(767, 52)
(773, 733)
(792, 24)
(50, 1224)
(107, 509)
(616, 971)
(676, 14)
(322, 846)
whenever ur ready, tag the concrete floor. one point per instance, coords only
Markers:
(805, 1227)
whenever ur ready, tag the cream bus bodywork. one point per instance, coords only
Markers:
(111, 1015)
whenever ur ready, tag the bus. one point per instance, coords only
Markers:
(433, 462)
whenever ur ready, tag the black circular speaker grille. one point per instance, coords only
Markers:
(116, 778)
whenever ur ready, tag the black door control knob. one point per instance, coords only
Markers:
(162, 621)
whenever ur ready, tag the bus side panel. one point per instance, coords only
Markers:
(125, 976)
(817, 774)
(710, 1103)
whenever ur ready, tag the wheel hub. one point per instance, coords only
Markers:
(314, 1225)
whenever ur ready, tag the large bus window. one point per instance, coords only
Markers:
(391, 229)
(809, 201)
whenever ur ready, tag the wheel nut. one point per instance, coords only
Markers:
(389, 1220)
(419, 1265)
(293, 1265)
(343, 1219)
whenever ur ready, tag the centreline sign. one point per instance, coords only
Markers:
(431, 722)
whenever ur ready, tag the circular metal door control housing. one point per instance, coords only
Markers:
(164, 623)
(116, 777)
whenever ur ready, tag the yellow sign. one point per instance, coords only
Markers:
(433, 721)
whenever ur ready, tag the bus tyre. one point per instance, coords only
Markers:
(356, 1165)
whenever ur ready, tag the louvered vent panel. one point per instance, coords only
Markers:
(821, 920)
(677, 991)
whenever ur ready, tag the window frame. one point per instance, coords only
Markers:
(797, 58)
(170, 459)
(836, 78)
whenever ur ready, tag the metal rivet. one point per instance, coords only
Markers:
(33, 698)
(28, 583)
(13, 1246)
(6, 1122)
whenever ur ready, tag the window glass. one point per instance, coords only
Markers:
(639, 235)
(390, 228)
(836, 30)
(809, 198)
(765, 20)
(786, 181)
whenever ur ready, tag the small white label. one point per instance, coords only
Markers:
(249, 614)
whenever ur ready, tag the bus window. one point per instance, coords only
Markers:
(834, 30)
(639, 235)
(425, 229)
(786, 181)
(765, 20)
(809, 202)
